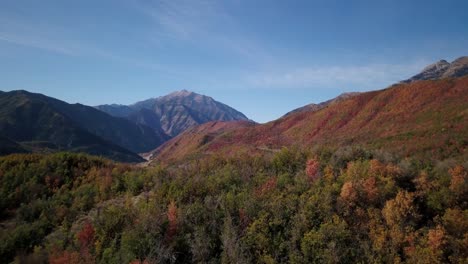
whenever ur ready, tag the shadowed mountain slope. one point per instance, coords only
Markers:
(8, 146)
(40, 122)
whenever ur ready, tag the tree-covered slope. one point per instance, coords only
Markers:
(425, 117)
(44, 123)
(134, 137)
(8, 146)
(345, 206)
(137, 138)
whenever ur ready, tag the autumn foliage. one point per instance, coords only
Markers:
(344, 205)
(86, 236)
(423, 119)
(172, 218)
(312, 169)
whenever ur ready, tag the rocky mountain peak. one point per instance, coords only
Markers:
(177, 111)
(442, 69)
(438, 66)
(181, 93)
(458, 67)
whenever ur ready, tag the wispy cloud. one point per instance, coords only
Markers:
(53, 38)
(40, 43)
(202, 23)
(207, 23)
(35, 35)
(184, 19)
(371, 76)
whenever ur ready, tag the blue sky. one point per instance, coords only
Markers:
(262, 57)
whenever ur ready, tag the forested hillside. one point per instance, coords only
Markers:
(425, 118)
(345, 205)
(40, 123)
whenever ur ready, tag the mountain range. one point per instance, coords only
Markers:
(442, 69)
(175, 112)
(424, 114)
(427, 117)
(41, 123)
(31, 122)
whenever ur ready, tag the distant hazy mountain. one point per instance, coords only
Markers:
(442, 69)
(116, 110)
(38, 122)
(175, 112)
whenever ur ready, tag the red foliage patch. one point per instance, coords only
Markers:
(244, 220)
(266, 187)
(312, 169)
(172, 218)
(65, 257)
(86, 236)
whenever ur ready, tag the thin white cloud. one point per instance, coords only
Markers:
(33, 34)
(184, 19)
(199, 22)
(205, 23)
(367, 77)
(202, 23)
(33, 42)
(52, 38)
